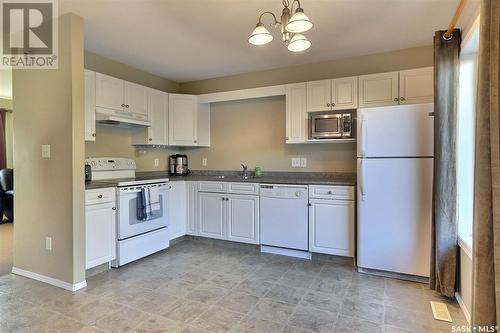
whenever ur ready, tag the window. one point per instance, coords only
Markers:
(466, 136)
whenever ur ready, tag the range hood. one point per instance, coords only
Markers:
(118, 121)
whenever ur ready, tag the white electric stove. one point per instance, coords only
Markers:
(135, 238)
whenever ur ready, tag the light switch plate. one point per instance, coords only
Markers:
(157, 162)
(303, 162)
(295, 162)
(204, 161)
(48, 243)
(45, 151)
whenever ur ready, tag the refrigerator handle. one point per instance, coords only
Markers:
(361, 173)
(364, 133)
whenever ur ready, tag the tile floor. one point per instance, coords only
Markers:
(199, 287)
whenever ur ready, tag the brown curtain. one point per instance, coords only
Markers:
(3, 150)
(486, 242)
(444, 224)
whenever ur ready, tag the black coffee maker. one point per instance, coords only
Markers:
(178, 164)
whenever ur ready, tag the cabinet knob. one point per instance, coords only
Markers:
(309, 204)
(195, 141)
(329, 192)
(93, 134)
(150, 139)
(333, 104)
(99, 196)
(396, 99)
(402, 99)
(123, 105)
(114, 208)
(328, 104)
(127, 106)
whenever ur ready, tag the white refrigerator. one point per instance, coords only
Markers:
(395, 150)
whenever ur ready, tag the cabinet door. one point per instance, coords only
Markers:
(296, 113)
(158, 115)
(416, 86)
(211, 215)
(345, 93)
(177, 209)
(109, 92)
(136, 99)
(192, 194)
(319, 95)
(100, 234)
(242, 218)
(183, 122)
(378, 90)
(89, 105)
(331, 227)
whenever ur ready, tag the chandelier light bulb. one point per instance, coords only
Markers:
(299, 22)
(299, 43)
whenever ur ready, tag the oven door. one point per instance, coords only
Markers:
(325, 126)
(128, 224)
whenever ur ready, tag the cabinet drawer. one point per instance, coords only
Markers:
(331, 192)
(212, 187)
(100, 195)
(243, 188)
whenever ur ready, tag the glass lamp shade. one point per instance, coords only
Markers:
(299, 22)
(260, 35)
(299, 43)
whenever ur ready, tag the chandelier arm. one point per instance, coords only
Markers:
(274, 17)
(293, 2)
(286, 3)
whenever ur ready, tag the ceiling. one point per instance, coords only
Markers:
(197, 39)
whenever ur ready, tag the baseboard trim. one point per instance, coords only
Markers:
(463, 307)
(49, 280)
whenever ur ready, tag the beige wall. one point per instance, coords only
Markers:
(50, 192)
(375, 63)
(114, 68)
(253, 132)
(465, 280)
(116, 142)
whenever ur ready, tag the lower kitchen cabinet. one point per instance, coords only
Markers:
(242, 218)
(331, 227)
(100, 229)
(177, 209)
(211, 215)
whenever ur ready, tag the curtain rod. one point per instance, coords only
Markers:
(449, 33)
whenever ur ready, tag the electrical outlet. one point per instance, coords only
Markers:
(157, 162)
(295, 162)
(204, 161)
(303, 162)
(48, 243)
(45, 151)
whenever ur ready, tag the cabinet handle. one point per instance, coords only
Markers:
(114, 208)
(99, 196)
(127, 106)
(150, 139)
(396, 99)
(402, 99)
(309, 204)
(329, 192)
(328, 104)
(93, 134)
(195, 141)
(123, 105)
(333, 104)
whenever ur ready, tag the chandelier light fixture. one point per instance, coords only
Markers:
(292, 28)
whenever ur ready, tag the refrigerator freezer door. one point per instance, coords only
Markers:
(396, 131)
(394, 214)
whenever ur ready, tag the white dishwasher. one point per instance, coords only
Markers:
(284, 216)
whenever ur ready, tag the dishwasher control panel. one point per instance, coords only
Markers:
(284, 191)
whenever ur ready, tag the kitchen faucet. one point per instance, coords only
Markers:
(245, 171)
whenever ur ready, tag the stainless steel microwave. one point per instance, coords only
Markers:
(332, 125)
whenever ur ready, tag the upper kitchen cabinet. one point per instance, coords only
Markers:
(136, 99)
(113, 94)
(189, 122)
(405, 87)
(109, 92)
(296, 113)
(157, 133)
(337, 94)
(416, 86)
(378, 90)
(345, 93)
(89, 106)
(318, 95)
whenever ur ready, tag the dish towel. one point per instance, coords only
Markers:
(148, 203)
